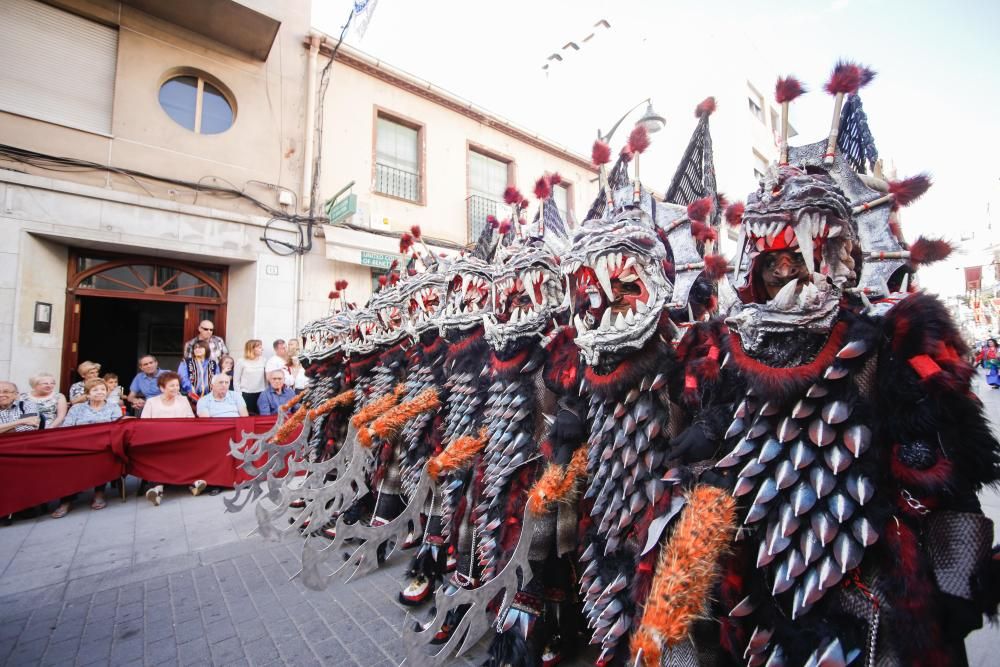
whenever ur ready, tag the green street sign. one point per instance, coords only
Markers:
(339, 210)
(379, 260)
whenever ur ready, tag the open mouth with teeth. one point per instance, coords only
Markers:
(364, 336)
(390, 326)
(423, 307)
(617, 298)
(468, 298)
(805, 230)
(523, 303)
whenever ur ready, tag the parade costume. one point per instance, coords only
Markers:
(856, 449)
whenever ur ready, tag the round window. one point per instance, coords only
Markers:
(197, 104)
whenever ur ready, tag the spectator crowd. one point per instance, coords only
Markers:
(208, 383)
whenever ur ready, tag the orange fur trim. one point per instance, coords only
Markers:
(292, 402)
(391, 423)
(375, 409)
(558, 483)
(365, 437)
(340, 400)
(457, 454)
(686, 572)
(286, 430)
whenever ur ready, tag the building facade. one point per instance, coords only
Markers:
(411, 153)
(148, 150)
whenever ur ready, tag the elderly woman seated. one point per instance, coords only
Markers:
(96, 410)
(221, 401)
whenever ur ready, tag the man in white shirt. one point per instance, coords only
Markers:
(279, 362)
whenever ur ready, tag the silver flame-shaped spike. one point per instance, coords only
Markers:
(810, 547)
(744, 608)
(803, 498)
(769, 451)
(777, 658)
(823, 526)
(835, 372)
(847, 552)
(777, 543)
(743, 486)
(788, 523)
(857, 439)
(853, 349)
(803, 409)
(763, 556)
(829, 573)
(785, 475)
(860, 488)
(817, 391)
(841, 506)
(752, 469)
(796, 563)
(802, 455)
(758, 641)
(760, 427)
(864, 532)
(788, 429)
(806, 594)
(831, 655)
(735, 428)
(782, 580)
(769, 409)
(822, 481)
(743, 409)
(821, 433)
(837, 459)
(836, 412)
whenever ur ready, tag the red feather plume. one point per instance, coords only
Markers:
(909, 190)
(555, 179)
(700, 208)
(848, 78)
(638, 139)
(512, 195)
(600, 153)
(734, 214)
(716, 266)
(702, 232)
(393, 278)
(405, 243)
(524, 203)
(340, 285)
(787, 89)
(492, 221)
(705, 108)
(383, 280)
(926, 251)
(543, 187)
(505, 227)
(394, 265)
(415, 230)
(333, 295)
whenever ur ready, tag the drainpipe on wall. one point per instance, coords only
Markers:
(307, 155)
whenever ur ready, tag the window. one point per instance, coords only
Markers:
(562, 194)
(57, 67)
(755, 109)
(760, 165)
(376, 274)
(397, 158)
(488, 178)
(197, 104)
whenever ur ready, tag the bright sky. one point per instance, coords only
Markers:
(933, 106)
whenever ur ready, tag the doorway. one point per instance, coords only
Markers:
(122, 307)
(117, 332)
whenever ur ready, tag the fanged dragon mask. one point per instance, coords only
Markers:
(327, 336)
(390, 316)
(423, 296)
(468, 295)
(363, 333)
(527, 294)
(618, 285)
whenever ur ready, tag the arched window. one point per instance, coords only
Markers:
(197, 102)
(152, 279)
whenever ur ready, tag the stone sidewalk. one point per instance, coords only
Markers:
(181, 584)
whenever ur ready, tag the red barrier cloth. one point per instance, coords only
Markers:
(41, 466)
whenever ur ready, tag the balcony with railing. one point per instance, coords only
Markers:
(397, 182)
(479, 208)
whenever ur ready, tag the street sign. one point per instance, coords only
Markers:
(379, 260)
(339, 210)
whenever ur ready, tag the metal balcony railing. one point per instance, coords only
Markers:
(479, 208)
(397, 182)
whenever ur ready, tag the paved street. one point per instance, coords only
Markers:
(185, 583)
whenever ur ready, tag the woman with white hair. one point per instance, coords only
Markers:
(52, 405)
(87, 370)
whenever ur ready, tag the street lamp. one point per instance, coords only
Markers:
(652, 121)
